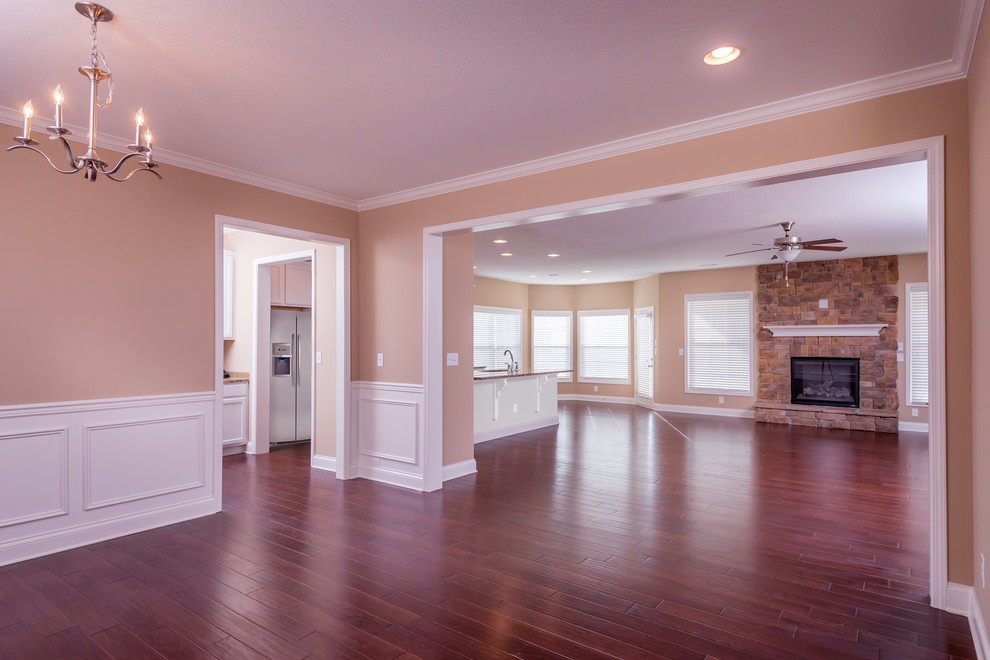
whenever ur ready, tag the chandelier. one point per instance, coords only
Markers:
(90, 162)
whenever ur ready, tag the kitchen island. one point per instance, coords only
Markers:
(507, 403)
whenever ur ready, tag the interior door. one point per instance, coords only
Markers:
(645, 351)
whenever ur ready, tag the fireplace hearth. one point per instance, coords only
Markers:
(825, 381)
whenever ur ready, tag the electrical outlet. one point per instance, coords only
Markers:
(680, 351)
(721, 399)
(596, 388)
(900, 357)
(452, 359)
(515, 408)
(319, 357)
(823, 303)
(914, 412)
(381, 359)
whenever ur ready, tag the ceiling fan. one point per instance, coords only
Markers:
(787, 247)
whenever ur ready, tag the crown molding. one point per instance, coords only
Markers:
(15, 118)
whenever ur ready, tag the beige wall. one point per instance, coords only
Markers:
(979, 111)
(238, 353)
(390, 273)
(458, 337)
(110, 287)
(910, 268)
(670, 327)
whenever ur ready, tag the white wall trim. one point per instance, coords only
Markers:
(705, 410)
(457, 470)
(920, 427)
(961, 599)
(382, 386)
(328, 463)
(930, 149)
(392, 477)
(512, 429)
(388, 432)
(73, 473)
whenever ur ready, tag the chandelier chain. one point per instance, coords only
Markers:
(95, 57)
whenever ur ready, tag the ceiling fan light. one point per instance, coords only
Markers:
(790, 254)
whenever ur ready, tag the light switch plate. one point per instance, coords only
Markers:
(381, 359)
(451, 359)
(319, 357)
(900, 357)
(680, 351)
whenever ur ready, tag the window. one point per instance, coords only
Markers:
(719, 343)
(552, 342)
(495, 330)
(917, 343)
(603, 346)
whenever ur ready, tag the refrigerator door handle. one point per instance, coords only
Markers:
(293, 367)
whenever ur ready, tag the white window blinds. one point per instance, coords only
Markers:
(719, 343)
(552, 342)
(917, 348)
(495, 330)
(603, 346)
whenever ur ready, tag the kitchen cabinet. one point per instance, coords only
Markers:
(234, 427)
(228, 294)
(292, 284)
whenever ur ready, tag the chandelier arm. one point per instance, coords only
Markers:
(24, 146)
(123, 160)
(132, 173)
(69, 156)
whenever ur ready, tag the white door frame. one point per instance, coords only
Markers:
(638, 313)
(931, 150)
(342, 300)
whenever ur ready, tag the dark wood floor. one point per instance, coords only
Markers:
(620, 534)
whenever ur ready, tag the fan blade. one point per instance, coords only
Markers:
(828, 248)
(774, 257)
(748, 251)
(822, 240)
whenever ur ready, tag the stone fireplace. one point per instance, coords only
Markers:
(844, 310)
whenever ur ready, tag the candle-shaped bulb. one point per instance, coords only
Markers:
(147, 139)
(59, 98)
(28, 113)
(139, 120)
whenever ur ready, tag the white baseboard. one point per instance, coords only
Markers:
(912, 426)
(328, 463)
(234, 449)
(704, 410)
(462, 469)
(961, 599)
(512, 429)
(79, 472)
(596, 397)
(392, 477)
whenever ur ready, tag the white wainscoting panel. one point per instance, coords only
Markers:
(388, 428)
(134, 460)
(34, 467)
(73, 473)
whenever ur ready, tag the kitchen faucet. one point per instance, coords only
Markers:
(510, 362)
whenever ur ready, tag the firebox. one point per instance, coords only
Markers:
(825, 381)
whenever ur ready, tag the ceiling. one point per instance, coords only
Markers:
(876, 211)
(363, 103)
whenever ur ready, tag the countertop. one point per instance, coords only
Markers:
(237, 377)
(494, 375)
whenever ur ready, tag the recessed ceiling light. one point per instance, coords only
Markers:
(721, 55)
(585, 271)
(475, 267)
(506, 254)
(500, 241)
(707, 265)
(553, 254)
(532, 275)
(583, 279)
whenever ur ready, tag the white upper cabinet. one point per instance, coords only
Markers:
(228, 294)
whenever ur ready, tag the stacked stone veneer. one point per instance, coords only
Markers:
(858, 291)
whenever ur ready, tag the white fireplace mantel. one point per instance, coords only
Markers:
(844, 330)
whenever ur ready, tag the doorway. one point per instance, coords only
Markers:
(645, 353)
(329, 358)
(929, 150)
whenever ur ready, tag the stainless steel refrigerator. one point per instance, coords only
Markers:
(292, 376)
